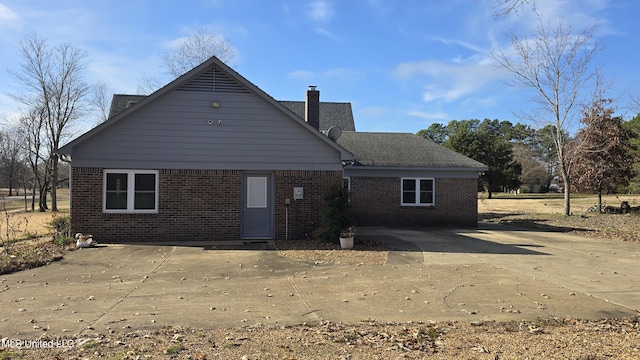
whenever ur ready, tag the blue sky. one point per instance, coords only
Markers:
(402, 64)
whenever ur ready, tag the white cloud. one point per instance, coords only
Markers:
(374, 111)
(300, 74)
(120, 73)
(579, 13)
(321, 10)
(345, 75)
(462, 43)
(9, 110)
(448, 82)
(325, 32)
(7, 15)
(438, 115)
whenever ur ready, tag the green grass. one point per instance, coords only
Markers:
(174, 349)
(90, 344)
(8, 355)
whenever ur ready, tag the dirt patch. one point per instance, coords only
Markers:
(26, 240)
(365, 252)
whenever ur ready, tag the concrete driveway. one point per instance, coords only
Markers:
(492, 273)
(603, 269)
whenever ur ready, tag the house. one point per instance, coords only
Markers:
(401, 179)
(212, 156)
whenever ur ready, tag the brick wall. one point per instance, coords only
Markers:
(315, 185)
(376, 201)
(195, 205)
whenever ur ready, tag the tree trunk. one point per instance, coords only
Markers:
(600, 200)
(54, 183)
(43, 197)
(567, 193)
(24, 193)
(33, 197)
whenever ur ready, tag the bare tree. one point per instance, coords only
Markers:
(557, 65)
(53, 85)
(10, 158)
(147, 84)
(504, 8)
(33, 135)
(189, 53)
(635, 104)
(100, 101)
(195, 50)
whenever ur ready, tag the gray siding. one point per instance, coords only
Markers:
(181, 130)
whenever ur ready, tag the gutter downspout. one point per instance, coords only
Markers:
(67, 159)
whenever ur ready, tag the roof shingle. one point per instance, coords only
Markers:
(402, 150)
(331, 114)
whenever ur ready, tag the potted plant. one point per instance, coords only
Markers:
(337, 218)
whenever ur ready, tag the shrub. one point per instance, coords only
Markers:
(61, 226)
(336, 212)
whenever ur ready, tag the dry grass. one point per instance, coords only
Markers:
(26, 239)
(546, 212)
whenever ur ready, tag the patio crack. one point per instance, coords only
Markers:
(125, 296)
(450, 293)
(306, 304)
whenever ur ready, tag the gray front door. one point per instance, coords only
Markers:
(257, 206)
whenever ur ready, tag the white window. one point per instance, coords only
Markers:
(346, 183)
(130, 191)
(417, 192)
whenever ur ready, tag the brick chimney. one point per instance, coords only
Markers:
(312, 107)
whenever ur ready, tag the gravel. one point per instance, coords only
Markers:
(548, 339)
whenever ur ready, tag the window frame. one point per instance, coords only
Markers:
(417, 181)
(346, 180)
(131, 191)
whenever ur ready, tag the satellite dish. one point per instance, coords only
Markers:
(334, 133)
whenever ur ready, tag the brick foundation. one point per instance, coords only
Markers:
(376, 201)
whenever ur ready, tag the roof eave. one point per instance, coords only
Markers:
(423, 168)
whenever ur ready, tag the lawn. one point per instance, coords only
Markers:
(546, 212)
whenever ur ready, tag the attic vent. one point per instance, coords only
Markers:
(131, 103)
(214, 80)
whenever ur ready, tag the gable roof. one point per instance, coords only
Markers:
(211, 74)
(331, 114)
(121, 102)
(403, 150)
